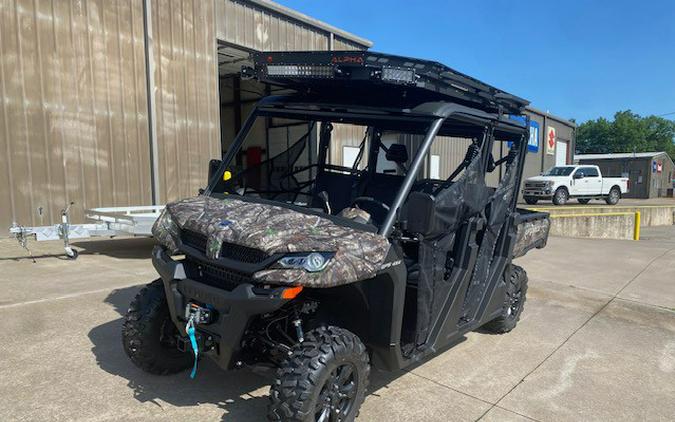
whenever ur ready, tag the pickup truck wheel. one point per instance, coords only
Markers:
(583, 201)
(149, 335)
(560, 197)
(614, 196)
(516, 289)
(324, 378)
(530, 200)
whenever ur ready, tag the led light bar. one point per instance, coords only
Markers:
(398, 75)
(293, 70)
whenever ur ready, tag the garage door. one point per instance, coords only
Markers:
(560, 153)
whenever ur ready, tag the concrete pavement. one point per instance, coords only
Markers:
(596, 342)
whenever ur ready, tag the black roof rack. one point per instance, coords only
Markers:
(376, 78)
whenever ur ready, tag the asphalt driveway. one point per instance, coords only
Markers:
(596, 342)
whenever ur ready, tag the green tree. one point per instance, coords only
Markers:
(628, 132)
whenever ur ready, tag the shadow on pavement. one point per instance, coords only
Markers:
(238, 393)
(124, 248)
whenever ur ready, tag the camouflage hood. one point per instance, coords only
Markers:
(274, 229)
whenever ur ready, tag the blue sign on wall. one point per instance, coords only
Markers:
(533, 142)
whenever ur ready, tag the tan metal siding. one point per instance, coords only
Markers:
(188, 132)
(451, 151)
(253, 27)
(342, 44)
(73, 122)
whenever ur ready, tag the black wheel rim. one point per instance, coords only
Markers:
(337, 394)
(513, 305)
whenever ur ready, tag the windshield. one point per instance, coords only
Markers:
(279, 159)
(559, 171)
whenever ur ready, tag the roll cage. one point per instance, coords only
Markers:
(428, 119)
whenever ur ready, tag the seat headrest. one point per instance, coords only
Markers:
(398, 153)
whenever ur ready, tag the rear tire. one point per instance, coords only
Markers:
(583, 201)
(614, 196)
(514, 302)
(561, 196)
(530, 200)
(149, 334)
(326, 374)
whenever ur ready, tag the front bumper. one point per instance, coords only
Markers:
(233, 309)
(538, 192)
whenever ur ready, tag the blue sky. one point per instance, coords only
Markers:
(577, 59)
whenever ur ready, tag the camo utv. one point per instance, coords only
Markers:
(373, 222)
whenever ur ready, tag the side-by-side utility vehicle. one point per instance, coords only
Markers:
(336, 233)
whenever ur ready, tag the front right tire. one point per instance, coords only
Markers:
(323, 380)
(149, 335)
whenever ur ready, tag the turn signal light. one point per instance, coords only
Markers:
(291, 292)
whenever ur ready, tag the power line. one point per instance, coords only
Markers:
(666, 114)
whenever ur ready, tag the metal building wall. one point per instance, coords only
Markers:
(251, 26)
(73, 116)
(186, 94)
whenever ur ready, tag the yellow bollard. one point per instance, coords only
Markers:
(636, 230)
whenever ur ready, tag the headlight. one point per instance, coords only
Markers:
(312, 262)
(548, 183)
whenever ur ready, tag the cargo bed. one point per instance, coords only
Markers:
(532, 229)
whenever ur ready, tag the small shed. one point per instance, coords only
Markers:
(651, 174)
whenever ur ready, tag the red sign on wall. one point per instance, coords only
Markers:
(550, 140)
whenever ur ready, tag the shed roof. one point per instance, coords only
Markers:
(618, 155)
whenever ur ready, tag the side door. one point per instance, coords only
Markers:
(578, 182)
(594, 178)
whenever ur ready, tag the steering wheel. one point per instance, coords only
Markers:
(377, 209)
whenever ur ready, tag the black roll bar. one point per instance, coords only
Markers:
(403, 192)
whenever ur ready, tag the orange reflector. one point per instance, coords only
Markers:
(291, 292)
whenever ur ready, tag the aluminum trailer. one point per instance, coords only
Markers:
(107, 222)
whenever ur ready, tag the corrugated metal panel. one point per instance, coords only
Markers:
(250, 26)
(343, 44)
(73, 119)
(188, 132)
(451, 151)
(346, 135)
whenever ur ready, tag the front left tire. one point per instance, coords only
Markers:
(324, 379)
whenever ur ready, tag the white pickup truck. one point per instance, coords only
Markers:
(583, 182)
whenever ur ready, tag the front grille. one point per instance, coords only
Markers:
(535, 185)
(242, 253)
(194, 240)
(228, 250)
(212, 275)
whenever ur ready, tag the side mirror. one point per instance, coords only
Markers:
(214, 165)
(419, 213)
(578, 175)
